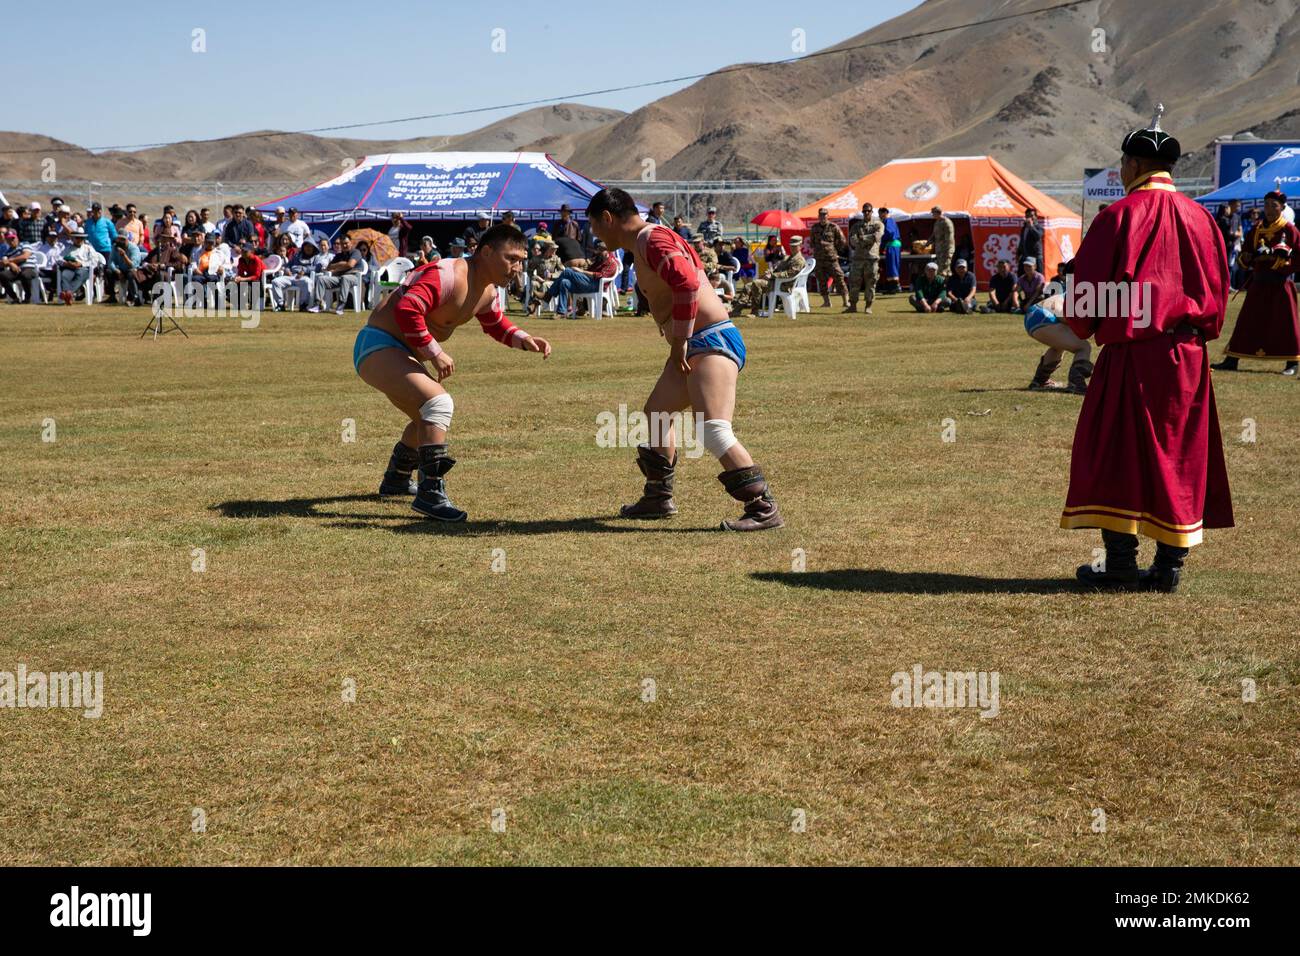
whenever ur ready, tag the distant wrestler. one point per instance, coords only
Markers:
(407, 330)
(705, 356)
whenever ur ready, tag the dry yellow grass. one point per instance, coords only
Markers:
(522, 690)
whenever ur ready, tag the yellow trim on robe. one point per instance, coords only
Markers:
(1262, 358)
(1133, 514)
(1132, 526)
(1157, 179)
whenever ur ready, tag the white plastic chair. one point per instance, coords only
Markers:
(796, 299)
(395, 270)
(605, 296)
(273, 266)
(361, 284)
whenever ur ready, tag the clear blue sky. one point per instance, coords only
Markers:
(271, 65)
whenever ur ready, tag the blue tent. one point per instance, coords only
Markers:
(443, 186)
(1280, 171)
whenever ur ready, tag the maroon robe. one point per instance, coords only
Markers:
(1268, 326)
(1148, 457)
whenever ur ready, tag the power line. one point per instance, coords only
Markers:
(521, 104)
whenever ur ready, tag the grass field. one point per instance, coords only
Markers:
(524, 689)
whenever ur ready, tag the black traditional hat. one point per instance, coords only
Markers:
(1152, 142)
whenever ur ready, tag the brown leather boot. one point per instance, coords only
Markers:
(749, 486)
(1080, 372)
(1043, 376)
(657, 498)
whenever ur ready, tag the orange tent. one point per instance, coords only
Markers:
(978, 188)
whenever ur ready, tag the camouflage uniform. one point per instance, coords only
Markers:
(757, 290)
(542, 269)
(827, 240)
(864, 241)
(709, 259)
(944, 240)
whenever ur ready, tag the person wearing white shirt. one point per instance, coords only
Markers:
(295, 229)
(76, 266)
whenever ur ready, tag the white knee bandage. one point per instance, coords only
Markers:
(437, 411)
(717, 436)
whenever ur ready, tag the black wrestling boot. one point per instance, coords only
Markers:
(1291, 368)
(657, 498)
(1121, 569)
(1166, 571)
(1229, 364)
(748, 485)
(431, 500)
(1042, 380)
(1080, 372)
(397, 479)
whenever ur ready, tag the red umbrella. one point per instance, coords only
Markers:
(778, 219)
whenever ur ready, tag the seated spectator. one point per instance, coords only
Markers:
(477, 228)
(248, 277)
(284, 247)
(772, 251)
(210, 261)
(159, 266)
(167, 226)
(539, 235)
(336, 282)
(76, 268)
(680, 227)
(708, 258)
(927, 290)
(132, 226)
(64, 225)
(204, 220)
(1030, 284)
(428, 252)
(227, 213)
(299, 273)
(1002, 290)
(8, 219)
(746, 268)
(575, 281)
(52, 248)
(471, 247)
(122, 265)
(192, 233)
(15, 270)
(959, 290)
(541, 269)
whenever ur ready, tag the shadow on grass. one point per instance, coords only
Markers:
(880, 581)
(332, 512)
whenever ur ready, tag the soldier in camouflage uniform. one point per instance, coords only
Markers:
(754, 293)
(944, 240)
(542, 268)
(708, 258)
(864, 243)
(828, 242)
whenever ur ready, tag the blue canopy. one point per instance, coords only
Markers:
(441, 186)
(1280, 171)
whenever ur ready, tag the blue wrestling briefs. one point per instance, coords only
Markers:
(1037, 317)
(371, 339)
(721, 338)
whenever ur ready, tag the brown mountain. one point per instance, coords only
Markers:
(297, 158)
(1037, 92)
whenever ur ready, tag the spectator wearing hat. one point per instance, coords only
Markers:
(567, 226)
(1030, 284)
(308, 262)
(959, 290)
(710, 228)
(574, 281)
(541, 269)
(76, 268)
(162, 262)
(928, 290)
(210, 261)
(784, 267)
(427, 253)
